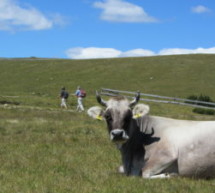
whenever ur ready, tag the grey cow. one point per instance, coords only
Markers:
(157, 147)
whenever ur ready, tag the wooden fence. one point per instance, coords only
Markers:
(159, 99)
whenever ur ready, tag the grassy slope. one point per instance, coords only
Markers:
(48, 150)
(164, 75)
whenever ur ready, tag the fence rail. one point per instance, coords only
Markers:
(167, 100)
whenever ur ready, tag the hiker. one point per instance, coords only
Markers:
(64, 96)
(80, 93)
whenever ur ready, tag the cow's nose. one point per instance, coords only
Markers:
(118, 135)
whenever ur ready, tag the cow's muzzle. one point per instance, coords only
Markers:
(118, 135)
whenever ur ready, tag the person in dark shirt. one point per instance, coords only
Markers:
(64, 96)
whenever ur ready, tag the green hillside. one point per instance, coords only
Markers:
(176, 76)
(44, 149)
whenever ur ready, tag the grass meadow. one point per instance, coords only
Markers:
(44, 149)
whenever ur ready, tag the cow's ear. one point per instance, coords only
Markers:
(140, 110)
(96, 113)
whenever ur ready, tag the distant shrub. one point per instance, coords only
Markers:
(192, 97)
(204, 111)
(203, 98)
(33, 57)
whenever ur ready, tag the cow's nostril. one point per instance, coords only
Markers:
(118, 135)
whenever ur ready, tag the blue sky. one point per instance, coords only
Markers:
(80, 29)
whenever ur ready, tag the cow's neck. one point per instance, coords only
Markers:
(133, 151)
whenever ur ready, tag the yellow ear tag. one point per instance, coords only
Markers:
(99, 117)
(137, 116)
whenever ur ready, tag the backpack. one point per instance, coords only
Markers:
(83, 93)
(66, 95)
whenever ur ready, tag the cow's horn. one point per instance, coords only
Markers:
(100, 100)
(135, 101)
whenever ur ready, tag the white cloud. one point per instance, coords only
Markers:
(15, 17)
(93, 52)
(174, 51)
(178, 51)
(122, 11)
(200, 9)
(137, 52)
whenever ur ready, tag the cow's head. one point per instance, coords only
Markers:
(120, 115)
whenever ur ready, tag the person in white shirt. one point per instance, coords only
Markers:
(78, 93)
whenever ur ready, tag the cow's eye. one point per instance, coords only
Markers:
(128, 116)
(108, 117)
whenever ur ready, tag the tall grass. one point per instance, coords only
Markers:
(46, 151)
